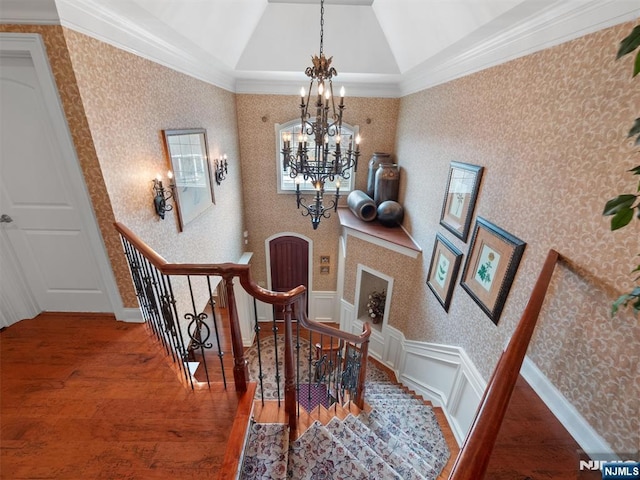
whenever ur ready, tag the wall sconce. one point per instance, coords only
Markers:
(221, 169)
(162, 196)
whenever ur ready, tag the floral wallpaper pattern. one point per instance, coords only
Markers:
(128, 102)
(62, 68)
(550, 129)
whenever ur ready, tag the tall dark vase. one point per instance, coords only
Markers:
(374, 163)
(387, 183)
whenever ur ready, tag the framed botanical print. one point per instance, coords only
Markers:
(189, 157)
(443, 270)
(460, 198)
(491, 265)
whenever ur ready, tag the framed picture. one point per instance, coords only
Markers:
(189, 158)
(492, 262)
(325, 259)
(443, 270)
(325, 269)
(460, 198)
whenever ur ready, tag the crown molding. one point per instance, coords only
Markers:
(91, 18)
(561, 22)
(33, 12)
(274, 86)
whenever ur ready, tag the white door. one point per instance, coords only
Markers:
(42, 220)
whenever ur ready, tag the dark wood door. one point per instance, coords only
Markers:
(289, 265)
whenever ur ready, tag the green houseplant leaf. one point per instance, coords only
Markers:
(622, 218)
(630, 43)
(622, 207)
(621, 202)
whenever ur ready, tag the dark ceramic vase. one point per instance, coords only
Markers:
(374, 163)
(390, 213)
(362, 205)
(387, 183)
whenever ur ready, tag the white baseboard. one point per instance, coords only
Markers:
(446, 376)
(129, 315)
(583, 433)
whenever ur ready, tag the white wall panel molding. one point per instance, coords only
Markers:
(322, 304)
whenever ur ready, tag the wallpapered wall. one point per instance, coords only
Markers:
(268, 212)
(62, 68)
(117, 105)
(550, 130)
(128, 102)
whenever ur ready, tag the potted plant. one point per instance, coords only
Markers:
(624, 207)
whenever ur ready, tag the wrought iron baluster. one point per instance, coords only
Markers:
(177, 331)
(214, 319)
(257, 330)
(165, 319)
(298, 365)
(275, 341)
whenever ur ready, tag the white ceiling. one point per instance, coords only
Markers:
(380, 47)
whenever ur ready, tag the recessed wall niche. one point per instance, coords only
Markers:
(368, 282)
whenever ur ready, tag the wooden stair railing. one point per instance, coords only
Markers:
(362, 340)
(228, 271)
(290, 301)
(475, 454)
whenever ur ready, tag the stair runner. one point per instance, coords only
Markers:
(398, 439)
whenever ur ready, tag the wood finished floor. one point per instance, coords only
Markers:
(87, 397)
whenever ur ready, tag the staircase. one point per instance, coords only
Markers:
(397, 436)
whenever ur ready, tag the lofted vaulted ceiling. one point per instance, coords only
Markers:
(380, 47)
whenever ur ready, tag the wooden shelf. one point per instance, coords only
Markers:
(394, 238)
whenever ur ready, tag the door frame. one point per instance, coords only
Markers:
(310, 267)
(31, 45)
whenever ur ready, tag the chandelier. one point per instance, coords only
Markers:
(327, 159)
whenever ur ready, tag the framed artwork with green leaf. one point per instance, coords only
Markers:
(491, 266)
(443, 270)
(460, 198)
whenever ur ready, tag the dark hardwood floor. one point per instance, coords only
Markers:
(85, 396)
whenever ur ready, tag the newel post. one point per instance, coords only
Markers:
(290, 397)
(240, 368)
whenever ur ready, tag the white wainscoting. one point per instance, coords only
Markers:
(322, 308)
(442, 374)
(446, 376)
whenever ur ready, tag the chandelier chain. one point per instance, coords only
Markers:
(321, 25)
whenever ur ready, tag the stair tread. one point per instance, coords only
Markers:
(377, 467)
(334, 458)
(269, 463)
(399, 438)
(394, 457)
(374, 417)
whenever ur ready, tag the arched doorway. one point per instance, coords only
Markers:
(288, 264)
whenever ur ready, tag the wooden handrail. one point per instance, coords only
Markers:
(224, 270)
(474, 457)
(291, 300)
(362, 339)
